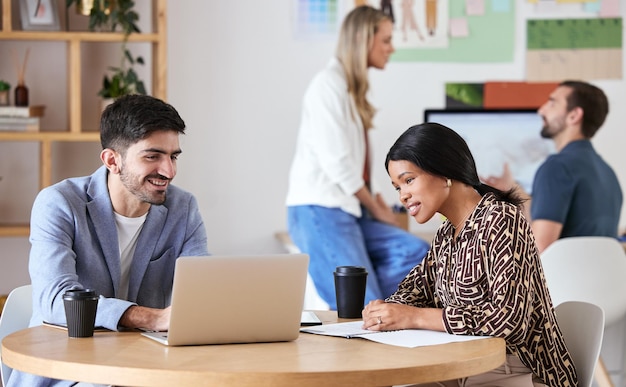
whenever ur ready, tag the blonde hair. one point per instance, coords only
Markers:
(355, 39)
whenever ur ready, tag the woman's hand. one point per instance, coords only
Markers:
(382, 316)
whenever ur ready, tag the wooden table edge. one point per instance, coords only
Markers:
(97, 373)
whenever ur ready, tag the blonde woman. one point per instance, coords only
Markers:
(332, 214)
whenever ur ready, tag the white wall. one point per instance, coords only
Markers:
(237, 75)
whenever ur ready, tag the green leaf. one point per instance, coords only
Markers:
(129, 57)
(131, 76)
(121, 79)
(141, 89)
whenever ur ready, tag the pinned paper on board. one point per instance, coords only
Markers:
(560, 49)
(477, 31)
(316, 18)
(459, 27)
(419, 24)
(475, 7)
(609, 8)
(602, 8)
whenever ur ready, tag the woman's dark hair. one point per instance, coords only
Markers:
(440, 151)
(132, 118)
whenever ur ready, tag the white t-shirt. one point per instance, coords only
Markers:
(128, 230)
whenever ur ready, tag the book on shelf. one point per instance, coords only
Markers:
(19, 124)
(22, 111)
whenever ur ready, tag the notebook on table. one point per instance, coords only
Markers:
(236, 299)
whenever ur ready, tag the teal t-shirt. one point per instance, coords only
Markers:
(578, 189)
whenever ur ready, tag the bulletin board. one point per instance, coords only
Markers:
(574, 49)
(490, 38)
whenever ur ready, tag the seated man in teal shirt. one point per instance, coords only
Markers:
(575, 192)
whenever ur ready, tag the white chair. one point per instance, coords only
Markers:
(15, 316)
(582, 325)
(590, 269)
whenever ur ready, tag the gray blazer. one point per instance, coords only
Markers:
(74, 245)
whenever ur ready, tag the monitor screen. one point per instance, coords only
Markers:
(496, 137)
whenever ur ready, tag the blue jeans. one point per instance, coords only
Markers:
(334, 238)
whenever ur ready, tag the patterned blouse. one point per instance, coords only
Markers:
(489, 282)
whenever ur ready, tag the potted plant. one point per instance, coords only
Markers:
(5, 87)
(123, 80)
(109, 15)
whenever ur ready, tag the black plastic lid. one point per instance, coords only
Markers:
(79, 294)
(350, 270)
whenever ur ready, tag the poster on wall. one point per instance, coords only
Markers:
(574, 49)
(601, 8)
(477, 31)
(316, 19)
(418, 23)
(473, 31)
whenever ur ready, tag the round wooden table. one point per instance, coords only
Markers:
(127, 358)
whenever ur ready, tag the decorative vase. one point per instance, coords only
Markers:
(83, 7)
(21, 95)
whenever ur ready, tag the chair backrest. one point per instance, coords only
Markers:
(582, 325)
(15, 316)
(590, 269)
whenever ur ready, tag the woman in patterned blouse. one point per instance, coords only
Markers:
(482, 275)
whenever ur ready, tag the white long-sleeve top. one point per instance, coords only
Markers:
(327, 168)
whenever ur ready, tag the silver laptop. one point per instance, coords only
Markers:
(236, 299)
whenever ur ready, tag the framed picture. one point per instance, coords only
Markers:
(39, 15)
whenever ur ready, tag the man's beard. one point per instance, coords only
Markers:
(549, 131)
(129, 181)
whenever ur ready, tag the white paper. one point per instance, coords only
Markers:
(409, 338)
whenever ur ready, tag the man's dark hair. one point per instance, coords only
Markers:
(132, 118)
(592, 101)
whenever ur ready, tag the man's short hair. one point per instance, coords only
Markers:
(132, 118)
(592, 101)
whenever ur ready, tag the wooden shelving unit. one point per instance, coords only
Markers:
(74, 41)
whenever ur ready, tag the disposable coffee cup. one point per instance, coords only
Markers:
(350, 284)
(80, 312)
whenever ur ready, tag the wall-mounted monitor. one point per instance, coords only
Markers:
(497, 136)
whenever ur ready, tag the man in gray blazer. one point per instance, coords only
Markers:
(118, 231)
